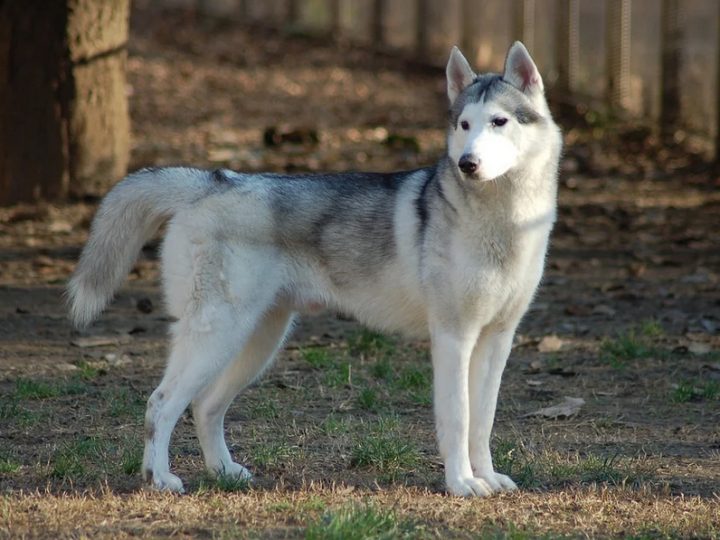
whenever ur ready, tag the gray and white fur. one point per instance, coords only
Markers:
(453, 252)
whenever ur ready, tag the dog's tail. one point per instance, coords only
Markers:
(128, 216)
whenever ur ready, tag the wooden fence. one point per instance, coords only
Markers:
(655, 60)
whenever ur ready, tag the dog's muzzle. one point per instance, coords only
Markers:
(468, 163)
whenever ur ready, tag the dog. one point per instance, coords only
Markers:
(453, 252)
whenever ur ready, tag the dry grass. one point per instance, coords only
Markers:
(588, 512)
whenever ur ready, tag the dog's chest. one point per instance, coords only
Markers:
(499, 274)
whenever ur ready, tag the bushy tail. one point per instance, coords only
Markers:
(128, 216)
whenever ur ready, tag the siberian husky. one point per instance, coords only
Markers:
(453, 252)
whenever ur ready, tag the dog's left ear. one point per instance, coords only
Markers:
(459, 74)
(521, 71)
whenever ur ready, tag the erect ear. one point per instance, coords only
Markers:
(521, 71)
(459, 74)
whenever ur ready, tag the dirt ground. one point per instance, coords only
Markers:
(627, 319)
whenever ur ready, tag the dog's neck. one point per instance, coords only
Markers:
(519, 197)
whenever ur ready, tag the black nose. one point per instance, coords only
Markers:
(468, 163)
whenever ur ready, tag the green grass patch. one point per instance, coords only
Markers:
(125, 403)
(79, 458)
(415, 378)
(382, 369)
(337, 369)
(340, 374)
(545, 470)
(370, 344)
(35, 389)
(225, 483)
(40, 389)
(317, 357)
(336, 425)
(368, 400)
(9, 408)
(8, 466)
(386, 452)
(272, 454)
(131, 456)
(267, 409)
(416, 382)
(86, 370)
(688, 391)
(92, 457)
(634, 344)
(510, 459)
(651, 329)
(360, 522)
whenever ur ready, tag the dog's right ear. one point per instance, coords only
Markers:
(459, 74)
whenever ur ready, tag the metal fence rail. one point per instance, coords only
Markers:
(654, 60)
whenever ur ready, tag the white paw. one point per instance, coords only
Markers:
(234, 470)
(468, 487)
(164, 482)
(497, 481)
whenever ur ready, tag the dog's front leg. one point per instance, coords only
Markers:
(486, 367)
(451, 363)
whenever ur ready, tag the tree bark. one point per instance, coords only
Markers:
(64, 125)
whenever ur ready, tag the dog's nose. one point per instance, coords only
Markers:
(468, 163)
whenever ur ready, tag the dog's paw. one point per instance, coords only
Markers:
(469, 487)
(498, 481)
(164, 482)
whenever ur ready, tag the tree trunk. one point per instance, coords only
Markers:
(64, 126)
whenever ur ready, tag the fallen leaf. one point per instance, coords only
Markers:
(567, 408)
(124, 360)
(100, 341)
(535, 367)
(43, 261)
(67, 367)
(603, 309)
(709, 325)
(550, 344)
(698, 347)
(59, 226)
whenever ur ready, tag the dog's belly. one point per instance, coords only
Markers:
(390, 301)
(386, 309)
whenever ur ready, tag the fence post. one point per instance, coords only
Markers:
(568, 44)
(468, 31)
(717, 94)
(524, 23)
(335, 27)
(618, 53)
(670, 65)
(421, 29)
(292, 12)
(376, 22)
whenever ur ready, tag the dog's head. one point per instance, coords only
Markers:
(496, 121)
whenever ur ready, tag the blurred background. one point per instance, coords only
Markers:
(628, 79)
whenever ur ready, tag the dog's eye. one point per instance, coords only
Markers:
(464, 124)
(499, 122)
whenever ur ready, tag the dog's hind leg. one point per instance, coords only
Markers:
(204, 343)
(210, 406)
(486, 367)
